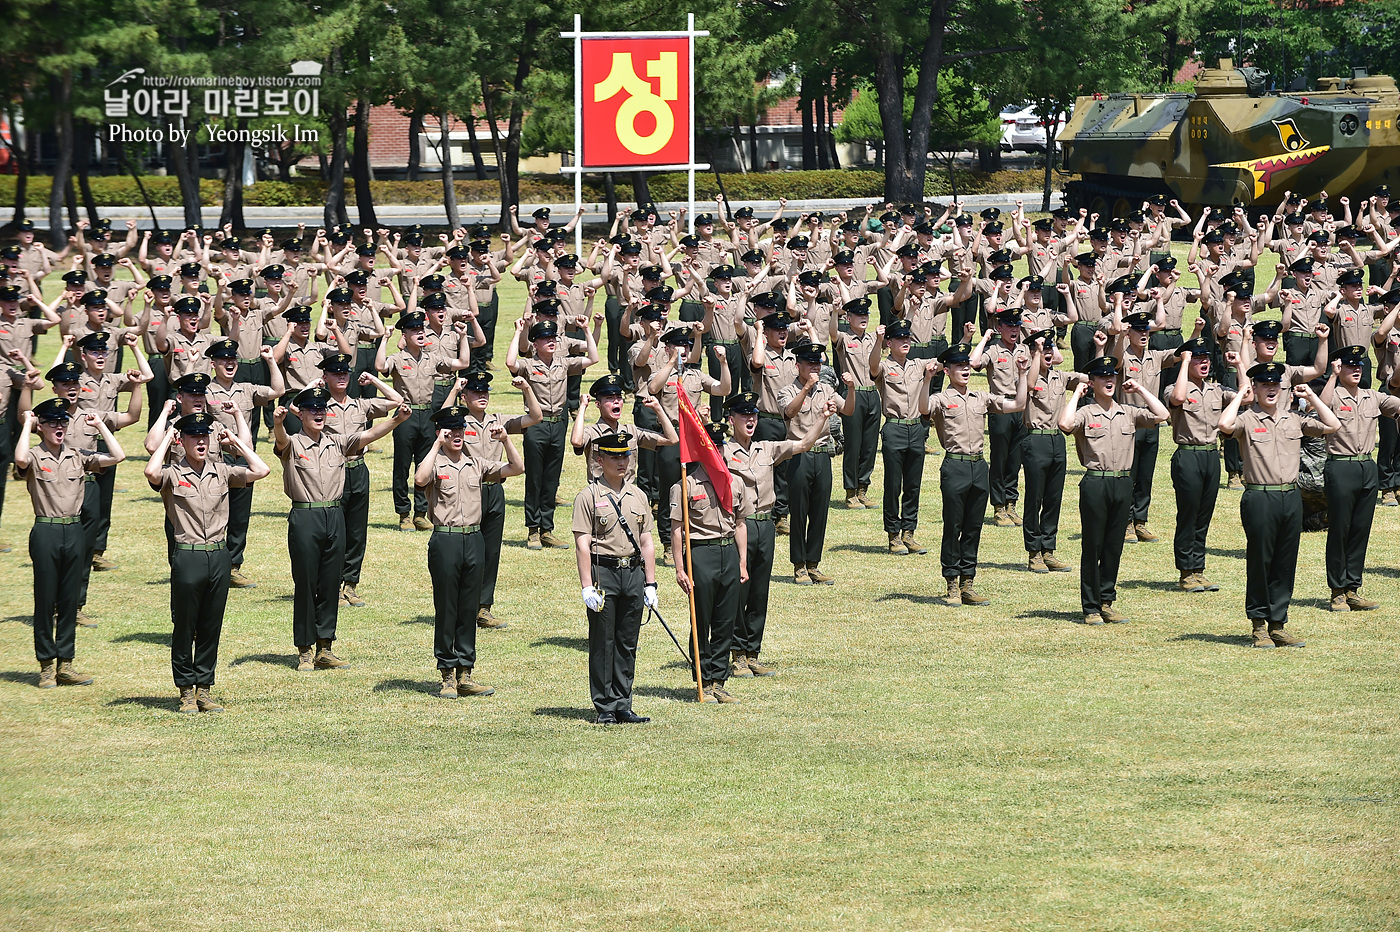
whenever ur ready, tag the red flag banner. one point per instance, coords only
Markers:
(697, 447)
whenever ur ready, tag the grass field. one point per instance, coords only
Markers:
(912, 766)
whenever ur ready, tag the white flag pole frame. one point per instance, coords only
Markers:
(690, 167)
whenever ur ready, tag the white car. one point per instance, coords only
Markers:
(1022, 128)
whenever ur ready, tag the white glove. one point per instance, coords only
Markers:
(649, 596)
(593, 598)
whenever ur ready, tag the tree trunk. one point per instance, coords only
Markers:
(449, 179)
(180, 157)
(415, 134)
(19, 151)
(500, 156)
(511, 169)
(906, 155)
(82, 159)
(232, 209)
(640, 192)
(879, 155)
(1052, 128)
(610, 193)
(360, 168)
(952, 179)
(753, 146)
(335, 184)
(737, 137)
(809, 139)
(62, 92)
(830, 132)
(478, 163)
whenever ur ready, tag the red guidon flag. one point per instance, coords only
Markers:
(697, 447)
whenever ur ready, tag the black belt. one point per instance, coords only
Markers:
(617, 563)
(713, 542)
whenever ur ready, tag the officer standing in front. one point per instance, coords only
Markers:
(195, 492)
(451, 479)
(55, 474)
(313, 476)
(616, 554)
(1103, 430)
(1271, 509)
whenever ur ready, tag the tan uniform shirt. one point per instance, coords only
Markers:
(597, 516)
(550, 380)
(1193, 422)
(414, 377)
(1353, 326)
(196, 502)
(754, 467)
(478, 442)
(635, 436)
(1359, 414)
(454, 493)
(854, 352)
(810, 412)
(1306, 308)
(961, 419)
(314, 470)
(301, 367)
(1046, 398)
(1387, 357)
(929, 319)
(901, 386)
(16, 334)
(55, 483)
(1000, 366)
(778, 371)
(708, 520)
(1145, 369)
(186, 354)
(245, 397)
(353, 415)
(1085, 298)
(1104, 438)
(1270, 446)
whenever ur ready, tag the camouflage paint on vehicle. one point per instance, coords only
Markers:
(1232, 143)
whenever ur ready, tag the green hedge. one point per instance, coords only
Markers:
(668, 188)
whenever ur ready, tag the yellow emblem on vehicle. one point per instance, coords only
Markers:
(1289, 135)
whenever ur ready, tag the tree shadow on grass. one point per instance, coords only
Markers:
(276, 660)
(408, 686)
(1321, 605)
(163, 703)
(419, 620)
(675, 694)
(584, 715)
(859, 548)
(1388, 571)
(165, 581)
(567, 643)
(24, 679)
(1045, 614)
(1160, 585)
(144, 637)
(917, 598)
(1231, 640)
(1229, 554)
(26, 620)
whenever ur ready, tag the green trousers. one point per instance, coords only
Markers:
(1105, 503)
(493, 526)
(1146, 443)
(92, 506)
(716, 599)
(618, 345)
(965, 489)
(1081, 344)
(240, 513)
(613, 632)
(412, 441)
(772, 428)
(1004, 435)
(57, 552)
(487, 316)
(354, 504)
(862, 432)
(454, 563)
(316, 543)
(198, 595)
(544, 458)
(753, 595)
(1196, 479)
(903, 454)
(809, 493)
(1351, 506)
(1273, 523)
(1043, 459)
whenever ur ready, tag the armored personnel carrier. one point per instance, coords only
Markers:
(1232, 142)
